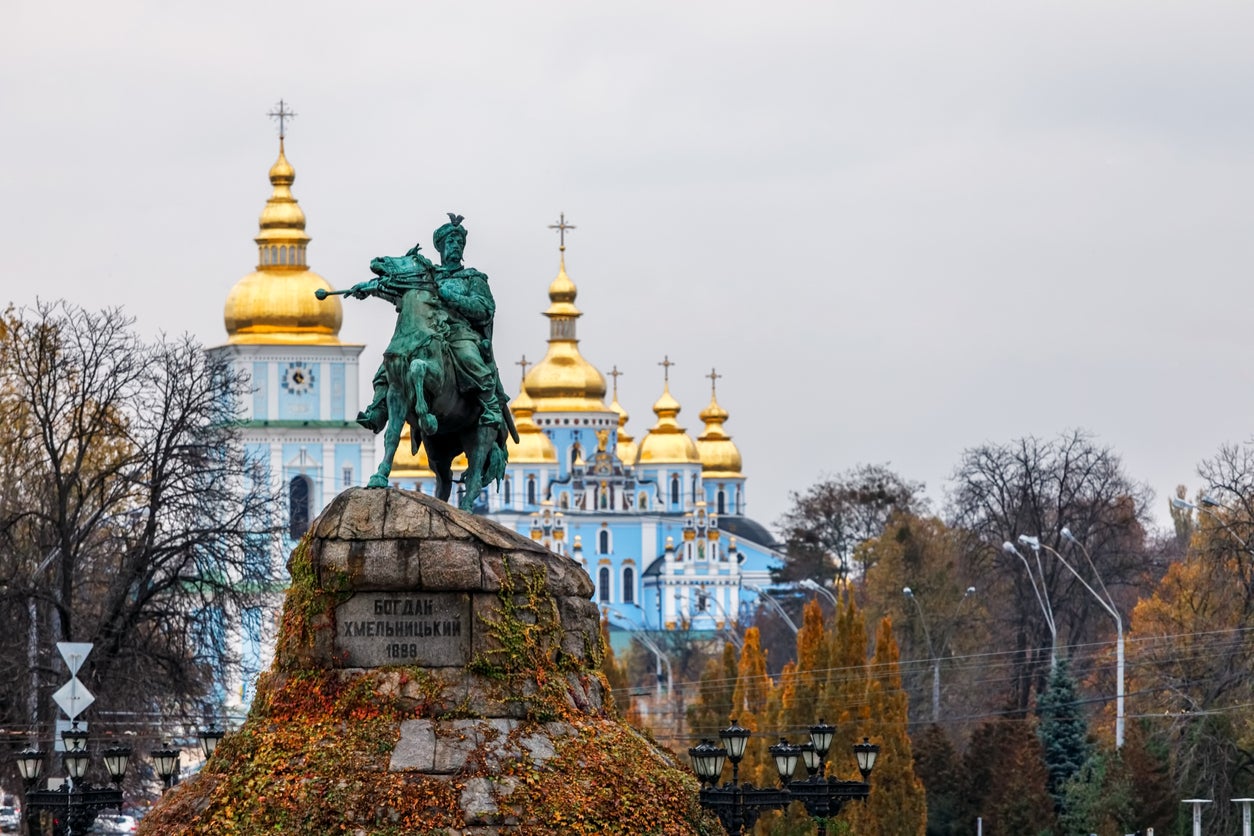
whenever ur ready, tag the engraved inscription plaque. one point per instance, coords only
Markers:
(373, 629)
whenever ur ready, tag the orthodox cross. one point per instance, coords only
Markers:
(561, 226)
(666, 368)
(283, 113)
(713, 376)
(523, 362)
(616, 374)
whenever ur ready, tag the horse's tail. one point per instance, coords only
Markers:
(494, 467)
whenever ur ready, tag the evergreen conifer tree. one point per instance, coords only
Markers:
(1063, 731)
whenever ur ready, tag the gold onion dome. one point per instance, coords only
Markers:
(409, 465)
(533, 447)
(667, 443)
(626, 448)
(719, 454)
(276, 304)
(564, 381)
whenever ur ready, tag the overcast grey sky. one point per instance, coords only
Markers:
(898, 229)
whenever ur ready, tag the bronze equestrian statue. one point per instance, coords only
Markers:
(438, 373)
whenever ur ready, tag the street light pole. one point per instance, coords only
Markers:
(813, 586)
(1042, 598)
(1108, 604)
(775, 605)
(936, 653)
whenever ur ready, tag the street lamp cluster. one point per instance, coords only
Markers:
(739, 805)
(75, 804)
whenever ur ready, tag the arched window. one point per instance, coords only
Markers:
(643, 501)
(603, 584)
(722, 501)
(603, 541)
(509, 493)
(739, 501)
(675, 490)
(299, 492)
(531, 489)
(563, 501)
(629, 585)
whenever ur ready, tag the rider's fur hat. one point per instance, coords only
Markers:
(454, 225)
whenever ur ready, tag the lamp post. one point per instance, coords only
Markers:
(1197, 813)
(814, 586)
(76, 803)
(165, 761)
(1108, 604)
(1042, 598)
(1245, 814)
(775, 605)
(210, 737)
(739, 805)
(936, 652)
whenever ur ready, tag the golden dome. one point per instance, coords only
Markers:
(667, 443)
(564, 381)
(625, 450)
(533, 447)
(719, 455)
(407, 465)
(276, 304)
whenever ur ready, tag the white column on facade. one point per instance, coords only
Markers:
(329, 476)
(272, 390)
(351, 393)
(324, 391)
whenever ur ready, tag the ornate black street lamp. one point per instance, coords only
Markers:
(739, 805)
(76, 803)
(209, 738)
(166, 763)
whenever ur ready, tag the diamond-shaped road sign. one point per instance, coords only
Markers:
(73, 697)
(74, 654)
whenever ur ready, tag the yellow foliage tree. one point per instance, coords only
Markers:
(749, 702)
(898, 802)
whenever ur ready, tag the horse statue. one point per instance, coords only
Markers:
(425, 368)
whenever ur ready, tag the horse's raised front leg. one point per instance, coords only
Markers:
(418, 370)
(398, 408)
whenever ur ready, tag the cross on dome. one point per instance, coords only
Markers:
(713, 378)
(283, 114)
(561, 226)
(666, 368)
(616, 374)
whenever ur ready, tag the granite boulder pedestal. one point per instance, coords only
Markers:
(434, 673)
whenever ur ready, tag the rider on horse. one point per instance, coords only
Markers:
(464, 295)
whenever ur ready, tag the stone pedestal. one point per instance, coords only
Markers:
(435, 673)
